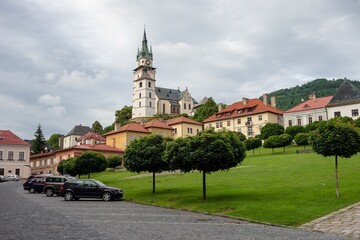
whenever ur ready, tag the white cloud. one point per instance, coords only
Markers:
(57, 111)
(49, 100)
(80, 79)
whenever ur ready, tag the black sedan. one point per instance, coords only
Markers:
(89, 188)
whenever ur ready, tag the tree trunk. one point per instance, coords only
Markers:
(304, 147)
(284, 149)
(153, 182)
(272, 150)
(89, 176)
(336, 175)
(204, 185)
(253, 152)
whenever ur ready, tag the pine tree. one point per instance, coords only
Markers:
(38, 144)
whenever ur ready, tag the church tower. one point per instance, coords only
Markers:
(143, 100)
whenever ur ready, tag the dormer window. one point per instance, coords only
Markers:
(218, 115)
(240, 111)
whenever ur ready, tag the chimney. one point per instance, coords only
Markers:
(244, 100)
(265, 99)
(117, 126)
(312, 96)
(273, 101)
(220, 107)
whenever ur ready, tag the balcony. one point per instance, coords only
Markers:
(248, 123)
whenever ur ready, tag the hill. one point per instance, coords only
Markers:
(290, 97)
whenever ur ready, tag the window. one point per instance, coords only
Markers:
(250, 131)
(290, 123)
(217, 125)
(210, 125)
(1, 156)
(240, 111)
(164, 108)
(239, 130)
(140, 84)
(228, 123)
(320, 118)
(249, 119)
(139, 104)
(189, 106)
(310, 119)
(239, 121)
(355, 112)
(337, 114)
(260, 127)
(184, 105)
(17, 171)
(260, 117)
(299, 122)
(149, 84)
(149, 94)
(175, 130)
(139, 95)
(189, 130)
(150, 104)
(21, 156)
(197, 130)
(221, 125)
(10, 155)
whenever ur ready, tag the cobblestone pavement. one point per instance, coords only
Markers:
(35, 216)
(345, 222)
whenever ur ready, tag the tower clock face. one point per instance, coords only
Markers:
(147, 62)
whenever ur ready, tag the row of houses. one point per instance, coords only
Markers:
(247, 116)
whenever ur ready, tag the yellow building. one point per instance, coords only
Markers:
(122, 135)
(247, 116)
(184, 127)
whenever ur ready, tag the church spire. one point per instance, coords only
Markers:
(145, 52)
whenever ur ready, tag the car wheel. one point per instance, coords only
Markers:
(106, 196)
(49, 192)
(68, 196)
(32, 190)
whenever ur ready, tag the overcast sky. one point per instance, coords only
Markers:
(64, 63)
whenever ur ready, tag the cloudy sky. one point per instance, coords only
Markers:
(64, 63)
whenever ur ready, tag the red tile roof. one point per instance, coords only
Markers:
(155, 123)
(238, 109)
(92, 135)
(130, 127)
(8, 137)
(178, 120)
(311, 104)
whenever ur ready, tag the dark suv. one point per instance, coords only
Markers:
(53, 184)
(89, 188)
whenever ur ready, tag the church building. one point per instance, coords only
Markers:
(148, 99)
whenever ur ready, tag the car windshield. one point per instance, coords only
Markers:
(99, 183)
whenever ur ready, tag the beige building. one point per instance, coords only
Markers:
(71, 139)
(184, 127)
(149, 100)
(14, 155)
(247, 116)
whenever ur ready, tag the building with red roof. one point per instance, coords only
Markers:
(14, 155)
(307, 112)
(247, 116)
(184, 127)
(91, 138)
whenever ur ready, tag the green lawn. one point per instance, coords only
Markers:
(281, 188)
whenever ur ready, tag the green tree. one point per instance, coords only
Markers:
(357, 122)
(293, 130)
(145, 154)
(54, 140)
(206, 110)
(96, 127)
(90, 162)
(67, 167)
(272, 142)
(314, 125)
(109, 128)
(207, 152)
(336, 139)
(114, 161)
(123, 115)
(38, 144)
(252, 144)
(284, 140)
(271, 129)
(302, 139)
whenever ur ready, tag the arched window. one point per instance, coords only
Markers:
(189, 106)
(140, 84)
(184, 105)
(149, 84)
(164, 108)
(139, 95)
(150, 95)
(139, 104)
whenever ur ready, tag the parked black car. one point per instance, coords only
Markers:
(89, 188)
(34, 185)
(53, 184)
